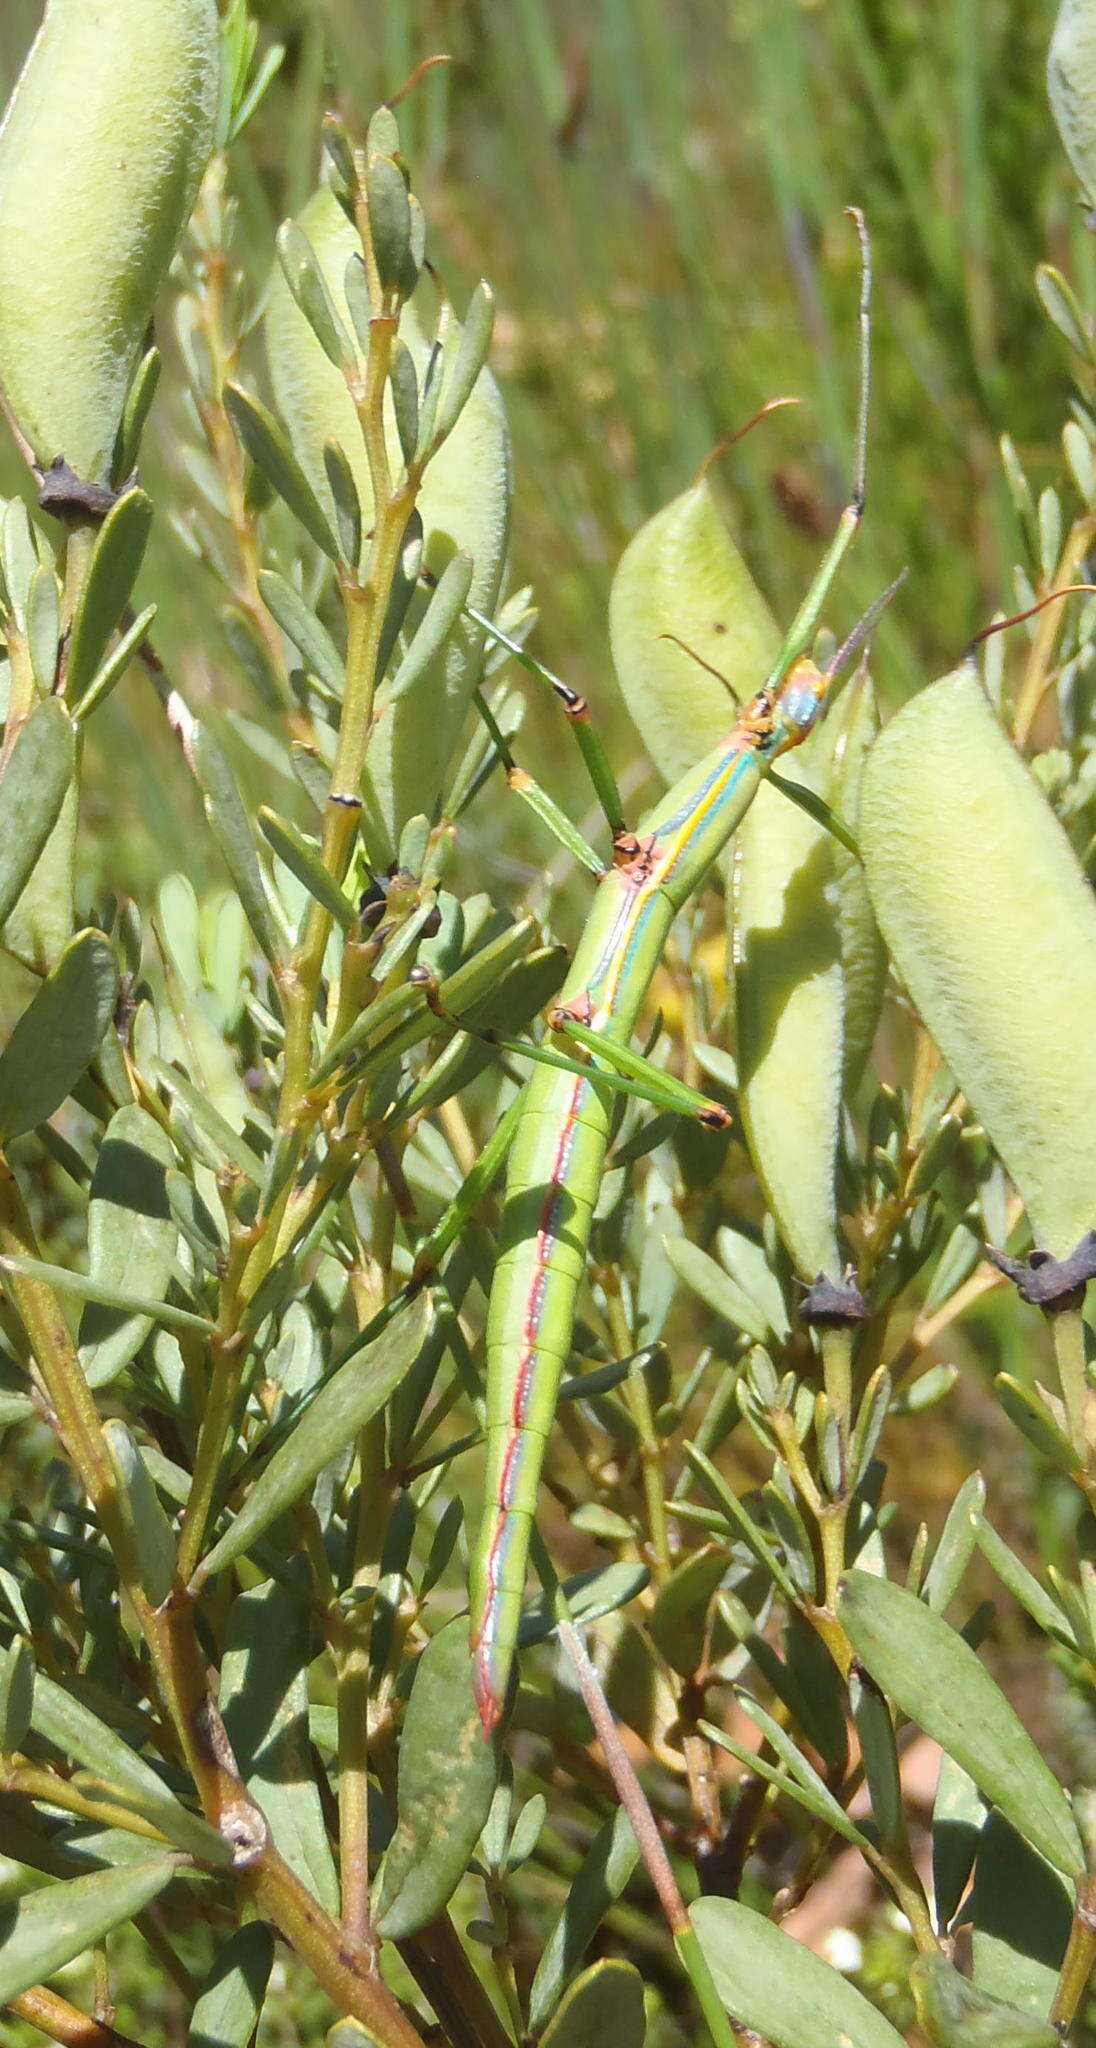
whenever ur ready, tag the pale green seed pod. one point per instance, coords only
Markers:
(808, 981)
(992, 926)
(102, 148)
(1071, 83)
(789, 1014)
(682, 574)
(464, 503)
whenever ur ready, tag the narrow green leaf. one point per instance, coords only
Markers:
(264, 1704)
(84, 1288)
(231, 1999)
(131, 1238)
(345, 500)
(39, 772)
(270, 452)
(953, 2013)
(16, 1694)
(151, 1532)
(226, 813)
(958, 1813)
(119, 552)
(739, 1519)
(354, 1393)
(678, 1621)
(603, 1875)
(772, 1984)
(446, 1782)
(1022, 1914)
(403, 378)
(48, 1928)
(603, 2009)
(390, 225)
(44, 626)
(936, 1678)
(954, 1549)
(438, 622)
(814, 1797)
(879, 1750)
(309, 288)
(300, 624)
(475, 340)
(78, 1733)
(1028, 1413)
(302, 857)
(58, 1035)
(717, 1290)
(1022, 1584)
(589, 1594)
(139, 399)
(114, 667)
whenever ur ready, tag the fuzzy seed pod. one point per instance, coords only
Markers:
(102, 149)
(1071, 83)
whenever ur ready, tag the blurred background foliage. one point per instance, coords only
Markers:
(655, 192)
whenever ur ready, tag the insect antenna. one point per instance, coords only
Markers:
(1017, 618)
(709, 667)
(864, 628)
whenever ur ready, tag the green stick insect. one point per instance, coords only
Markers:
(559, 1147)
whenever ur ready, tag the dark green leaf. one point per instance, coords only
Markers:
(150, 1531)
(475, 340)
(678, 1621)
(226, 814)
(308, 286)
(79, 1734)
(589, 1595)
(772, 1984)
(115, 665)
(139, 399)
(957, 1540)
(348, 505)
(232, 1997)
(953, 2013)
(270, 452)
(604, 2009)
(1022, 1914)
(813, 1797)
(354, 1393)
(936, 1678)
(302, 857)
(957, 1816)
(16, 1694)
(438, 622)
(44, 626)
(405, 396)
(119, 552)
(390, 225)
(296, 619)
(264, 1704)
(45, 1930)
(605, 1870)
(447, 1776)
(58, 1036)
(39, 771)
(131, 1238)
(879, 1751)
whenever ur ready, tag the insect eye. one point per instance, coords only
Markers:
(800, 706)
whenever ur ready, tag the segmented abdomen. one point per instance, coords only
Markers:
(552, 1184)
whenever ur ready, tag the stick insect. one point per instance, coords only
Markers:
(562, 1132)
